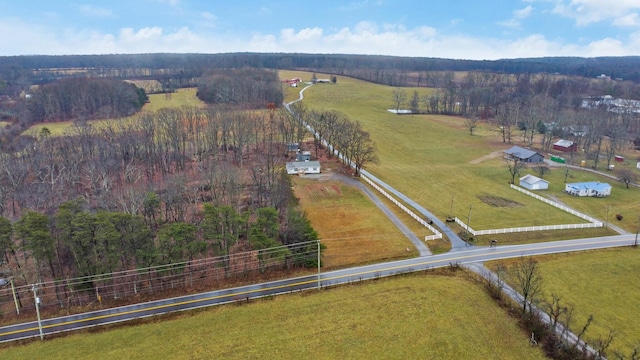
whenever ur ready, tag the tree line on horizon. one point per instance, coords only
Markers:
(180, 70)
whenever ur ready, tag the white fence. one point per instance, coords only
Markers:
(593, 223)
(559, 206)
(438, 235)
(526, 228)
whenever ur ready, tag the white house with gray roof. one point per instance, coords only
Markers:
(303, 167)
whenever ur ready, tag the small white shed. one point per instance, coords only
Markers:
(531, 182)
(303, 167)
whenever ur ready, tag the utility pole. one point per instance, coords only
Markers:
(34, 287)
(15, 298)
(468, 224)
(635, 243)
(451, 209)
(318, 264)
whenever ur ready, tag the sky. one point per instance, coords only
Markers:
(460, 29)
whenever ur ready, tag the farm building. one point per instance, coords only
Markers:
(292, 82)
(303, 167)
(593, 188)
(531, 182)
(526, 155)
(565, 145)
(303, 156)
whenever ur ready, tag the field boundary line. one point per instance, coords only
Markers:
(593, 223)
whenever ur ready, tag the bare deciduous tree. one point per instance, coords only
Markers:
(471, 122)
(515, 165)
(528, 281)
(415, 102)
(507, 116)
(627, 176)
(399, 97)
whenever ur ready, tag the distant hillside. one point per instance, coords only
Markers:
(182, 69)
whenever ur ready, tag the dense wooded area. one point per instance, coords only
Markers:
(153, 189)
(252, 88)
(70, 99)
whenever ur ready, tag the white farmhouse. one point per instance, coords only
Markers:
(303, 167)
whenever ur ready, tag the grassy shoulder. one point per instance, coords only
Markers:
(603, 283)
(420, 315)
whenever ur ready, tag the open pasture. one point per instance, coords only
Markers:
(180, 98)
(351, 227)
(418, 316)
(603, 283)
(435, 161)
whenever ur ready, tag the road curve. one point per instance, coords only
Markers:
(331, 278)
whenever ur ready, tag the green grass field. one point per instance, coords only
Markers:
(182, 97)
(434, 160)
(417, 316)
(603, 283)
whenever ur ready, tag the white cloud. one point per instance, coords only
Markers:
(523, 13)
(511, 23)
(207, 20)
(363, 38)
(91, 10)
(518, 15)
(629, 20)
(586, 12)
(304, 35)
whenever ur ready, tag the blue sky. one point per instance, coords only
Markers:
(461, 29)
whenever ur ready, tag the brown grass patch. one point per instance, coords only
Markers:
(497, 201)
(492, 155)
(351, 227)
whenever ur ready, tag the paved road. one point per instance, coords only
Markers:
(244, 293)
